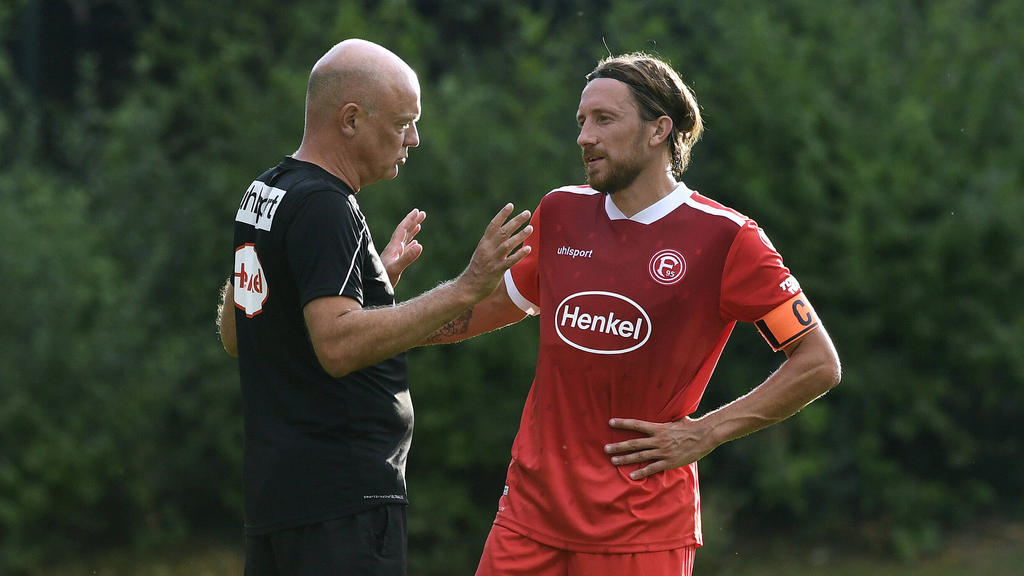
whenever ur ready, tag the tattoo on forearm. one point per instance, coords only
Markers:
(453, 329)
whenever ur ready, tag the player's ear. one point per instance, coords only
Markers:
(348, 117)
(662, 129)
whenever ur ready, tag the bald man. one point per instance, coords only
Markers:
(319, 337)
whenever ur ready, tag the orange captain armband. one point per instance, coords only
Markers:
(788, 322)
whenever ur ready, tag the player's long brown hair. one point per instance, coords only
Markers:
(658, 91)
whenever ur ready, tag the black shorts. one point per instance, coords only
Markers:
(371, 542)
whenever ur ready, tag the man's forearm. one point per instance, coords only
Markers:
(812, 370)
(495, 311)
(359, 337)
(453, 331)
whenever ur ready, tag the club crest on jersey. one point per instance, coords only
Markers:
(250, 288)
(667, 267)
(602, 323)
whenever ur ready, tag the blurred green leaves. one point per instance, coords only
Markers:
(876, 142)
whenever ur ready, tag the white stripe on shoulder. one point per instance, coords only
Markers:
(355, 253)
(723, 212)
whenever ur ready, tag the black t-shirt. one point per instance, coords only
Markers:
(316, 447)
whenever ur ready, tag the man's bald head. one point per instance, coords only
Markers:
(353, 71)
(362, 105)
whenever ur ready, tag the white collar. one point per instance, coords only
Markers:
(655, 211)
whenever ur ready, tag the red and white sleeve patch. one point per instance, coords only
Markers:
(788, 322)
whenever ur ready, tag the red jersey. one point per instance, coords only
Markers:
(634, 314)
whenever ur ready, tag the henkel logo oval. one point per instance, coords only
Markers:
(602, 323)
(250, 289)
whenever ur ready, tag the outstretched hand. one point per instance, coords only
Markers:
(666, 445)
(403, 249)
(497, 251)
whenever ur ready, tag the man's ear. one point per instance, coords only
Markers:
(662, 129)
(348, 117)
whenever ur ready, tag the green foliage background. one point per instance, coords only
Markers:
(877, 143)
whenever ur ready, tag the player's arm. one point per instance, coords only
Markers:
(226, 318)
(810, 370)
(493, 312)
(347, 337)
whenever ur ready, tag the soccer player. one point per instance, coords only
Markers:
(638, 281)
(310, 312)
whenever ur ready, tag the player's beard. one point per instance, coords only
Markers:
(618, 176)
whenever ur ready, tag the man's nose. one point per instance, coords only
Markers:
(585, 137)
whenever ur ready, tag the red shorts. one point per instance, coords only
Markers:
(507, 553)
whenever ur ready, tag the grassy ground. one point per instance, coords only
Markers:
(190, 560)
(993, 551)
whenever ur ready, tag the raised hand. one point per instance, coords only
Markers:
(497, 251)
(403, 249)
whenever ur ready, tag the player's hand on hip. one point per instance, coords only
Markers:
(498, 250)
(403, 249)
(665, 445)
